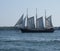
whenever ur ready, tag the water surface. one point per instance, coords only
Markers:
(11, 40)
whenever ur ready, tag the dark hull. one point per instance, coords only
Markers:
(37, 31)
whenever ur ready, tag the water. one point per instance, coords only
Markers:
(17, 41)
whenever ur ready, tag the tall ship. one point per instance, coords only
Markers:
(35, 25)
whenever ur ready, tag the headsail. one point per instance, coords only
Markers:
(30, 23)
(48, 23)
(20, 22)
(39, 23)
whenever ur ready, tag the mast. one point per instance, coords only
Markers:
(27, 17)
(51, 21)
(45, 18)
(45, 13)
(27, 12)
(36, 17)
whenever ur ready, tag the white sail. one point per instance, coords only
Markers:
(24, 22)
(30, 23)
(20, 22)
(39, 23)
(48, 23)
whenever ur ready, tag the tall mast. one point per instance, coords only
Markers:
(27, 12)
(27, 17)
(36, 13)
(45, 18)
(45, 13)
(36, 17)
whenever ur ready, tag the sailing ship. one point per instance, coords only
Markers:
(31, 25)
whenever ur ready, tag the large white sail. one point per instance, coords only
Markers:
(20, 22)
(30, 23)
(39, 23)
(48, 23)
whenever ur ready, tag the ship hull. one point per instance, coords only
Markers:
(37, 31)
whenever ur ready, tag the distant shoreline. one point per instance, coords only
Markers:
(16, 28)
(9, 28)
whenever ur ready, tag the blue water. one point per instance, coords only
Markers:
(16, 41)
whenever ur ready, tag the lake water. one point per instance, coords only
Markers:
(11, 40)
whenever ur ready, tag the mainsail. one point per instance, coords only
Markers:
(20, 22)
(48, 23)
(30, 23)
(39, 23)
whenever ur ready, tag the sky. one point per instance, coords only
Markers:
(11, 10)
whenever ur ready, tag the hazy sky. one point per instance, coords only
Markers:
(11, 10)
